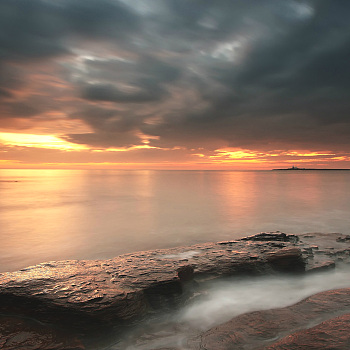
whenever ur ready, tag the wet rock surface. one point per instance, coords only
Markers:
(86, 296)
(332, 334)
(310, 324)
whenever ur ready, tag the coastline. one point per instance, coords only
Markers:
(82, 298)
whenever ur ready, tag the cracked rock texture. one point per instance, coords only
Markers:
(85, 296)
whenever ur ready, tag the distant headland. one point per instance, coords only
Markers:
(296, 168)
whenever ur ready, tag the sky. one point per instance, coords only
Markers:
(174, 84)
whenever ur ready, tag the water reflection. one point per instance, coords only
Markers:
(238, 192)
(81, 214)
(37, 212)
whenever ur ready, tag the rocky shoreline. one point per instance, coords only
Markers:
(59, 305)
(321, 321)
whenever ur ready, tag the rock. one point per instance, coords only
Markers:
(90, 296)
(280, 328)
(24, 334)
(162, 295)
(326, 265)
(331, 334)
(272, 236)
(343, 239)
(185, 273)
(287, 260)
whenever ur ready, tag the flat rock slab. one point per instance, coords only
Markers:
(89, 295)
(99, 293)
(309, 324)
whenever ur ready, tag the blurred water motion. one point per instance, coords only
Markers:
(224, 300)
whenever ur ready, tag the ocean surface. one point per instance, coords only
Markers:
(90, 214)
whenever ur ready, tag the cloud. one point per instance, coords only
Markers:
(41, 31)
(109, 92)
(105, 139)
(139, 68)
(260, 75)
(289, 86)
(4, 93)
(123, 81)
(42, 28)
(110, 128)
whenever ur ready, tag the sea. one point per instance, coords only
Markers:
(97, 214)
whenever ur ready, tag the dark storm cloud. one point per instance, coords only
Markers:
(143, 80)
(4, 93)
(291, 87)
(24, 109)
(30, 107)
(40, 28)
(111, 128)
(145, 67)
(307, 61)
(108, 92)
(111, 120)
(256, 74)
(9, 80)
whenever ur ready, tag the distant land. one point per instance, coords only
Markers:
(296, 168)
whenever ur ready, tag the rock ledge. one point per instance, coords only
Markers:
(85, 296)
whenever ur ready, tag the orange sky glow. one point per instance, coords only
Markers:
(213, 86)
(79, 156)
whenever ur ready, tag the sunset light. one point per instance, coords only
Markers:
(224, 91)
(174, 174)
(37, 141)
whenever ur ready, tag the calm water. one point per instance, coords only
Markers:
(80, 214)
